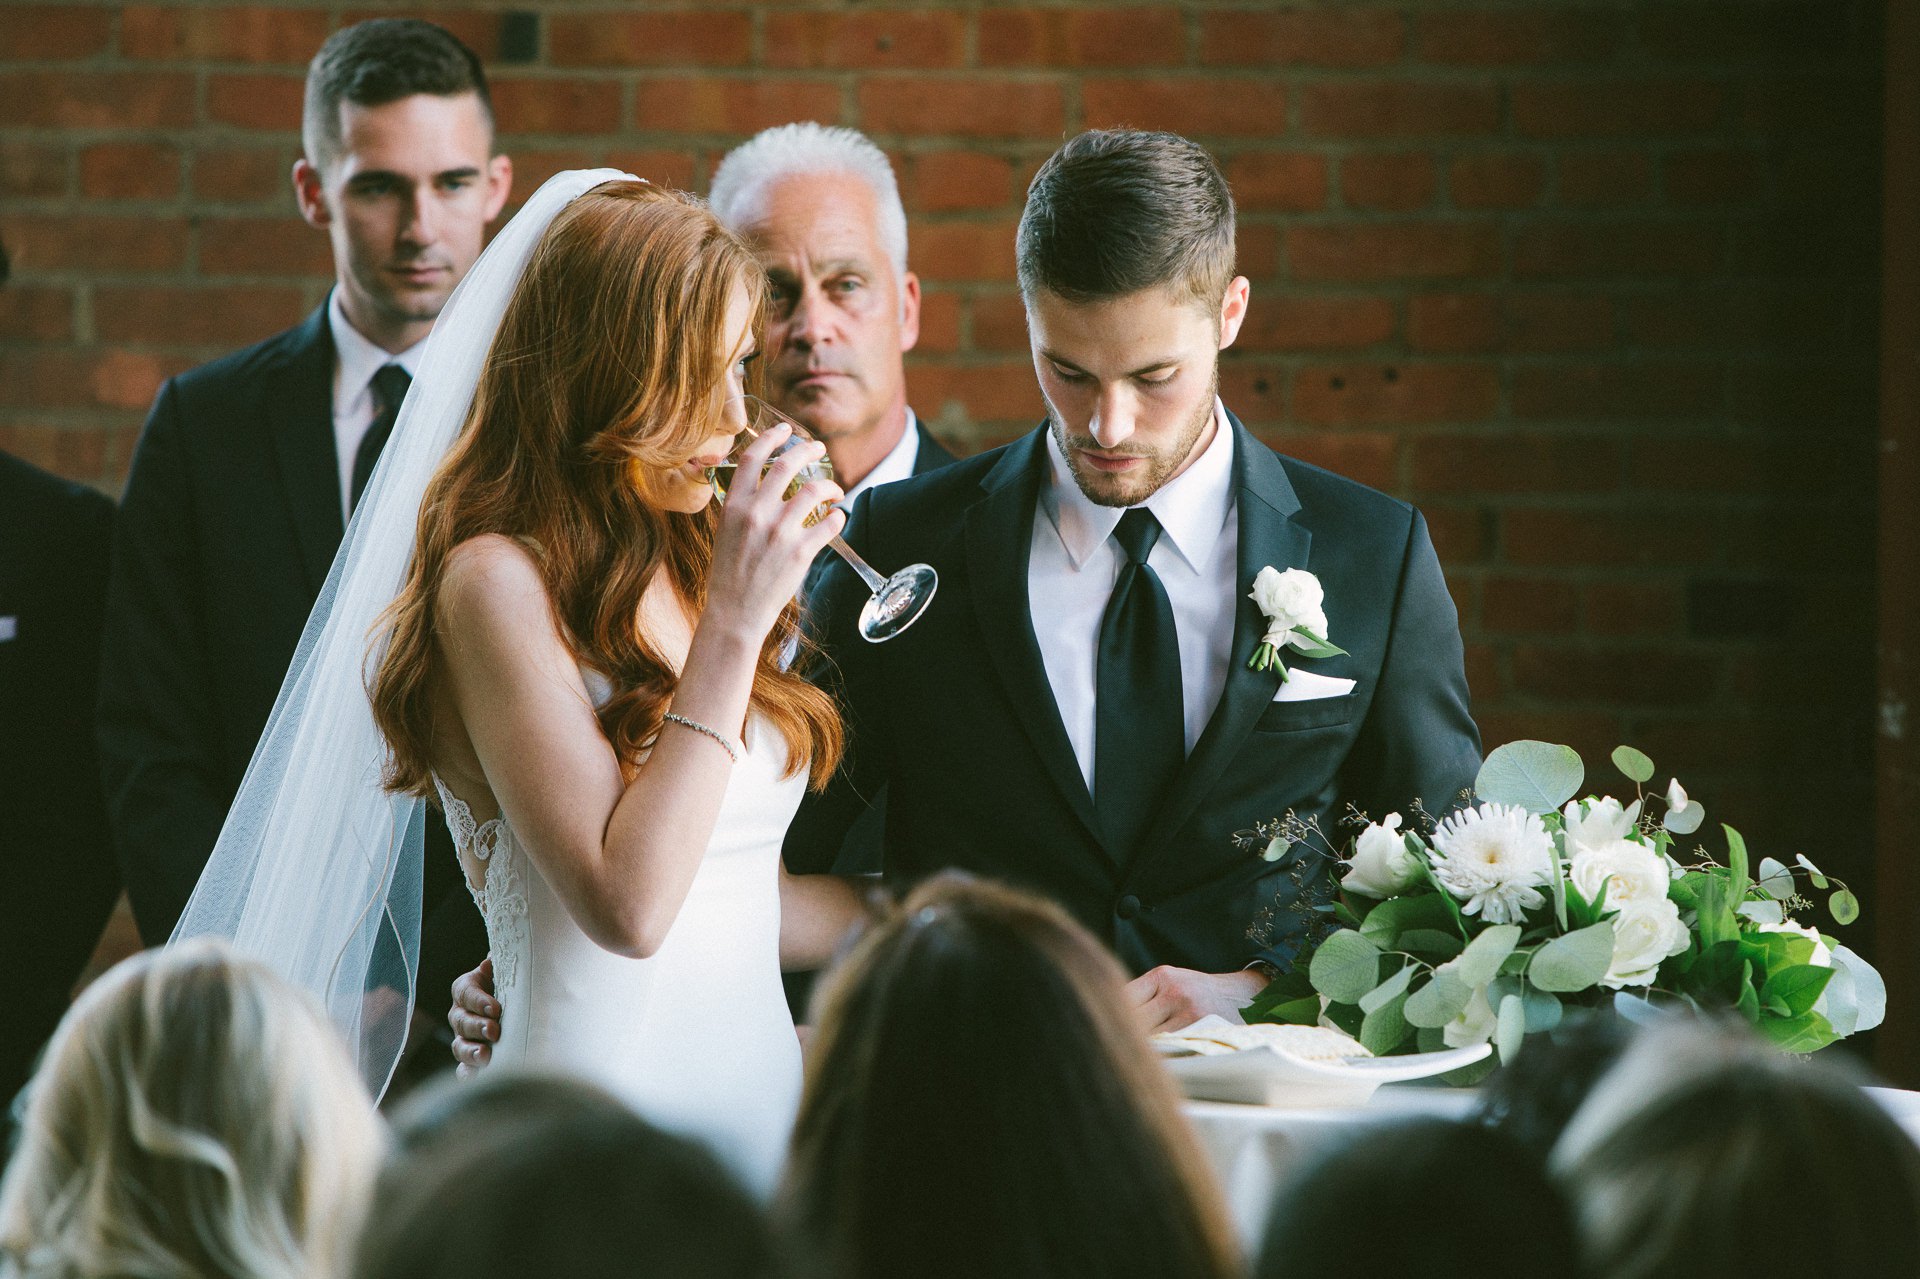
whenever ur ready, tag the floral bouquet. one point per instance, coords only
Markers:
(1492, 922)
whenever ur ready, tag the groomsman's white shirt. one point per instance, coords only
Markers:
(897, 464)
(1075, 563)
(355, 361)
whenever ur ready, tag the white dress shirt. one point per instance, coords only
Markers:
(897, 464)
(1075, 563)
(355, 361)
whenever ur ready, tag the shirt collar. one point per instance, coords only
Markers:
(358, 359)
(1193, 508)
(897, 464)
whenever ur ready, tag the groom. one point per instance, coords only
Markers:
(1078, 711)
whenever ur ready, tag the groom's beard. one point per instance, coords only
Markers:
(1137, 486)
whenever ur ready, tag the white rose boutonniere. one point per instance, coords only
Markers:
(1296, 618)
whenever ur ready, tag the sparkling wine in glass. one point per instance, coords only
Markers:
(898, 601)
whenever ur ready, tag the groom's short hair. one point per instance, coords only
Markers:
(379, 61)
(1115, 212)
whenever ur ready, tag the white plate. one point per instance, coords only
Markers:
(1264, 1077)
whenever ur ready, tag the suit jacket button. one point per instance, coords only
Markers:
(1127, 907)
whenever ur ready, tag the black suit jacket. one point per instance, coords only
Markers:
(57, 877)
(229, 524)
(955, 717)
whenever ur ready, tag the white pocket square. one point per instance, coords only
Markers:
(1305, 686)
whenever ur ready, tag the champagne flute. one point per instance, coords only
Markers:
(897, 601)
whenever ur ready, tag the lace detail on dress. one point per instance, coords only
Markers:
(502, 892)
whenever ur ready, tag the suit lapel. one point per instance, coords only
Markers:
(1265, 504)
(299, 413)
(999, 537)
(932, 454)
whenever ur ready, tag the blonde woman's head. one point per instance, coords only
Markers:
(196, 1117)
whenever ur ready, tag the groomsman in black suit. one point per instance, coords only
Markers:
(249, 467)
(1078, 711)
(58, 881)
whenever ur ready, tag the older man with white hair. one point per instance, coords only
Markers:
(820, 207)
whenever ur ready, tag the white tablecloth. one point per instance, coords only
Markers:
(1254, 1149)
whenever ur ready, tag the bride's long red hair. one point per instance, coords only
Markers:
(609, 368)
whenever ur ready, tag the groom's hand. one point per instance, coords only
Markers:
(1169, 998)
(475, 1018)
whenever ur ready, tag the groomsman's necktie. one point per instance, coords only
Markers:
(389, 389)
(1139, 734)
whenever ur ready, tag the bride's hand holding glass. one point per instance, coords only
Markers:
(778, 516)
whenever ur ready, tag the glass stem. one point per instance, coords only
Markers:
(874, 581)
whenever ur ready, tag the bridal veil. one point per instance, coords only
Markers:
(317, 870)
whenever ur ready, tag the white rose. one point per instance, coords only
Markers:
(1594, 823)
(1381, 865)
(1822, 956)
(1475, 1025)
(1632, 873)
(1292, 601)
(1644, 934)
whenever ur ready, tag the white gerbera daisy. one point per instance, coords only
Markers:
(1495, 858)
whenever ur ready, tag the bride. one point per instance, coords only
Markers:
(585, 659)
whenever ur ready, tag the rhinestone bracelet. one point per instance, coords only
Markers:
(698, 727)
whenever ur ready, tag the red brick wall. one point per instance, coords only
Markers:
(1594, 284)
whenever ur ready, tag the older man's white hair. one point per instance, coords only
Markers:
(749, 172)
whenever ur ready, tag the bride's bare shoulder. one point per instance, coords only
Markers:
(489, 576)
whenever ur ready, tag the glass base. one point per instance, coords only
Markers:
(898, 604)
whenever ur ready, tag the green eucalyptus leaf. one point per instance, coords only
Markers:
(1634, 764)
(1684, 821)
(1387, 991)
(1776, 881)
(1795, 989)
(1480, 962)
(1813, 872)
(1636, 1009)
(1345, 967)
(1510, 1028)
(1385, 1028)
(1573, 962)
(1543, 1010)
(1845, 906)
(1439, 1001)
(1857, 996)
(1537, 776)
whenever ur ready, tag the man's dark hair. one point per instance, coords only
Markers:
(384, 60)
(1114, 212)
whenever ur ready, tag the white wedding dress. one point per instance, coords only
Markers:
(698, 1037)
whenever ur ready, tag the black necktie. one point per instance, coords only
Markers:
(1139, 727)
(389, 389)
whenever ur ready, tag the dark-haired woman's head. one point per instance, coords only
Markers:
(1707, 1152)
(528, 1175)
(979, 1101)
(1447, 1198)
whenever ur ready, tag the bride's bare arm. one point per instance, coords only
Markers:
(621, 856)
